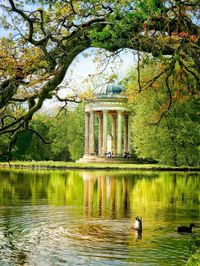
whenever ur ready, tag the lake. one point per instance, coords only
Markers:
(85, 217)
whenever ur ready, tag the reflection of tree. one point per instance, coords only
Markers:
(166, 199)
(102, 194)
(167, 189)
(174, 185)
(33, 186)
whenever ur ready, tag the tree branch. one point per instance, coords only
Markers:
(39, 135)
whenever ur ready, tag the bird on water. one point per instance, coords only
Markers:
(185, 229)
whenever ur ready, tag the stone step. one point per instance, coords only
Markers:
(97, 159)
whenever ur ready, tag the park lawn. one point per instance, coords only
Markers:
(105, 166)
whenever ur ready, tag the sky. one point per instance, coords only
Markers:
(94, 70)
(91, 70)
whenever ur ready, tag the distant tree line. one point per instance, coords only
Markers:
(165, 124)
(58, 138)
(174, 140)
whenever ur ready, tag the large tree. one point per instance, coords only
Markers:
(175, 140)
(44, 37)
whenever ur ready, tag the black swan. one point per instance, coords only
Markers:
(185, 229)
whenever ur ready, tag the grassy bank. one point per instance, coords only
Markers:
(103, 166)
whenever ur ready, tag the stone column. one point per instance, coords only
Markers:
(129, 135)
(126, 133)
(105, 131)
(100, 133)
(91, 134)
(87, 119)
(119, 133)
(114, 134)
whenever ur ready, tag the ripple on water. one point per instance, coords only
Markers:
(80, 241)
(46, 239)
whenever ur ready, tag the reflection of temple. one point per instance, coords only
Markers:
(110, 105)
(105, 195)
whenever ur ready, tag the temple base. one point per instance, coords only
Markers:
(103, 159)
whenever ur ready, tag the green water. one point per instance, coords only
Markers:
(84, 217)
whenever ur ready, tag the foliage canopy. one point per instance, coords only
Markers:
(166, 135)
(45, 36)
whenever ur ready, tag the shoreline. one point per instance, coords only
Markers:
(94, 166)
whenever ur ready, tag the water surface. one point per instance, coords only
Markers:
(84, 218)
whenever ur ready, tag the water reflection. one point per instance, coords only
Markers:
(110, 193)
(53, 218)
(138, 234)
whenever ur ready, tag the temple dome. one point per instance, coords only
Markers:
(114, 89)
